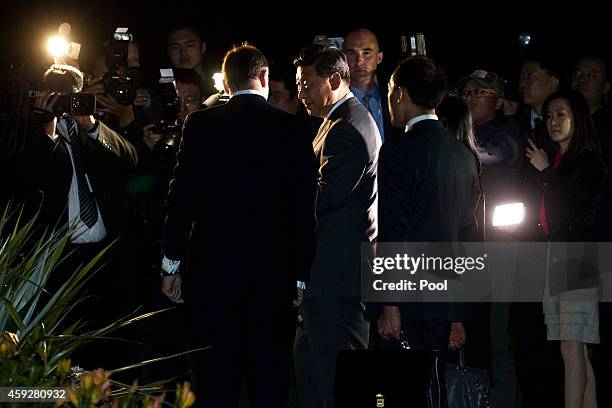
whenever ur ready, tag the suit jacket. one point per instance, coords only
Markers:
(346, 148)
(45, 166)
(242, 197)
(428, 192)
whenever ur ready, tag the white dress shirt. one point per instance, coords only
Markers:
(338, 103)
(82, 233)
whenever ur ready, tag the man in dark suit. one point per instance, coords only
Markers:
(346, 148)
(429, 191)
(243, 196)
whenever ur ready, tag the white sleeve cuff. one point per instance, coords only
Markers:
(301, 285)
(95, 133)
(170, 266)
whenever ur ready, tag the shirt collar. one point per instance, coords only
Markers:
(534, 116)
(340, 102)
(375, 92)
(249, 92)
(418, 119)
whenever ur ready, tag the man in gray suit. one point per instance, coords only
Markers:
(346, 147)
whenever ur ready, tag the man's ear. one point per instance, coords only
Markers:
(335, 80)
(203, 47)
(226, 87)
(379, 58)
(263, 77)
(402, 95)
(606, 88)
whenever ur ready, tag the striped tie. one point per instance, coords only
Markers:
(366, 102)
(88, 211)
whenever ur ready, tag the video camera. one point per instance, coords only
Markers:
(121, 81)
(65, 79)
(73, 104)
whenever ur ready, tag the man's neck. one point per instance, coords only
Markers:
(364, 84)
(594, 105)
(199, 70)
(419, 112)
(537, 109)
(337, 97)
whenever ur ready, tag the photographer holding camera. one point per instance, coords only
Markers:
(190, 91)
(83, 156)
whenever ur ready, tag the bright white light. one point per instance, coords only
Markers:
(508, 214)
(58, 46)
(218, 78)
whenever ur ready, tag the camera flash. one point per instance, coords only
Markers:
(508, 214)
(57, 46)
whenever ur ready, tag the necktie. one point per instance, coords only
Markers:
(88, 211)
(366, 102)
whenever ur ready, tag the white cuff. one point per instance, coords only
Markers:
(301, 285)
(170, 266)
(95, 133)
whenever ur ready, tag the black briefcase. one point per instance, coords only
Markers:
(382, 378)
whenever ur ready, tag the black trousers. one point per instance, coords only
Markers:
(329, 326)
(246, 338)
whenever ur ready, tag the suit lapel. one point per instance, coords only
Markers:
(323, 129)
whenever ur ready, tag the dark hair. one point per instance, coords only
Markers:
(63, 78)
(455, 114)
(187, 27)
(284, 72)
(327, 60)
(423, 79)
(585, 134)
(243, 64)
(546, 60)
(189, 76)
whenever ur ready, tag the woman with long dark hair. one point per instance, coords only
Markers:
(565, 187)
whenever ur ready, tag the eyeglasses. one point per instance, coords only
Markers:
(476, 93)
(190, 101)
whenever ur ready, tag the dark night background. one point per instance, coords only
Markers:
(460, 39)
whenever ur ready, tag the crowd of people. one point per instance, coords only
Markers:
(254, 210)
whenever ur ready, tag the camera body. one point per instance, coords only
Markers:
(120, 81)
(73, 104)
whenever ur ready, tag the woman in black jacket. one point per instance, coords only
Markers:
(563, 188)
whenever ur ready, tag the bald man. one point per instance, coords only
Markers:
(364, 55)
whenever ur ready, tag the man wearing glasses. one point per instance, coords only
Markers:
(500, 149)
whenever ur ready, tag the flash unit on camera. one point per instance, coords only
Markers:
(121, 34)
(166, 75)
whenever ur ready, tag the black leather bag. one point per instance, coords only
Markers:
(466, 387)
(382, 379)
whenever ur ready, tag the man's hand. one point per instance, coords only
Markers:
(45, 101)
(86, 122)
(143, 98)
(390, 323)
(108, 104)
(297, 302)
(149, 137)
(457, 336)
(171, 287)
